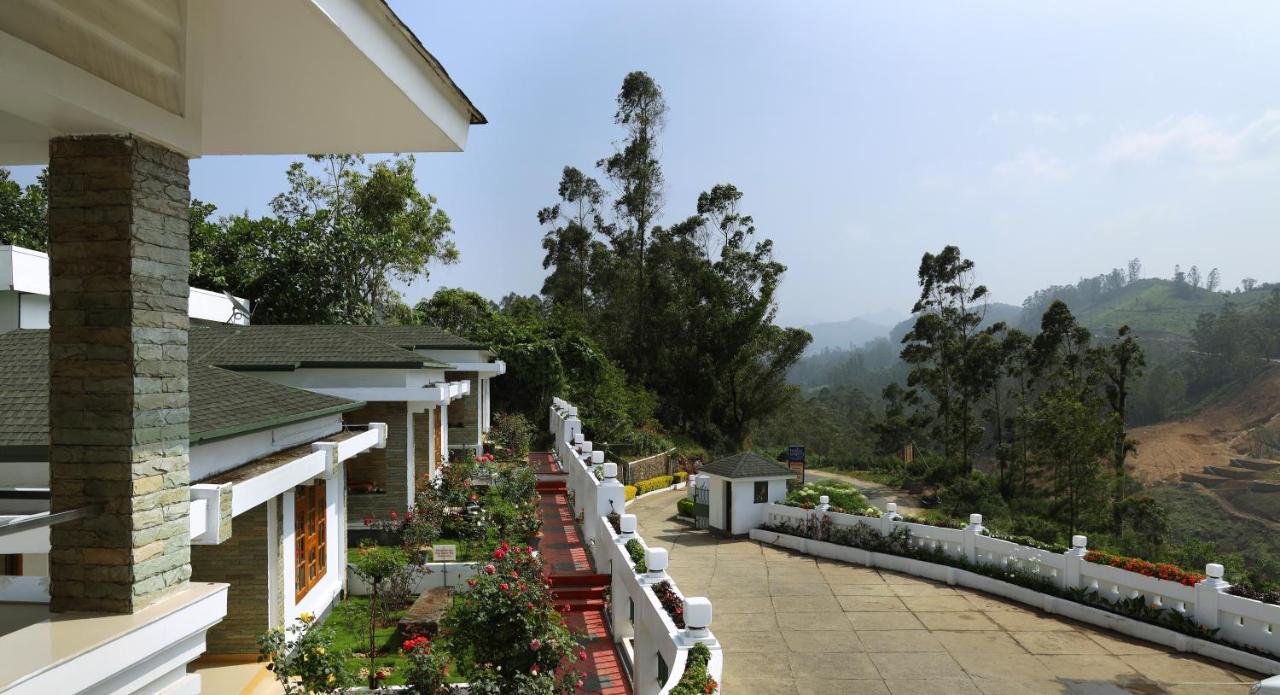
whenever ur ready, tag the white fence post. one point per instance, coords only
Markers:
(969, 540)
(1207, 593)
(1074, 560)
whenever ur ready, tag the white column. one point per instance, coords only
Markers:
(1208, 592)
(1074, 562)
(410, 471)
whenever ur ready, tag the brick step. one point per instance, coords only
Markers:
(572, 579)
(580, 605)
(550, 486)
(578, 593)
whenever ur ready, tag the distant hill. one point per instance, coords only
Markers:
(1152, 307)
(991, 313)
(844, 335)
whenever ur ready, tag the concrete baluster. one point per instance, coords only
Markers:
(970, 538)
(1208, 592)
(1074, 562)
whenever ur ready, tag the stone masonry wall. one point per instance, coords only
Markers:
(388, 463)
(240, 561)
(464, 423)
(118, 414)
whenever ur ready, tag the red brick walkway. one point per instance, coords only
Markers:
(577, 587)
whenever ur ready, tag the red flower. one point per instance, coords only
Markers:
(489, 569)
(499, 554)
(504, 586)
(394, 516)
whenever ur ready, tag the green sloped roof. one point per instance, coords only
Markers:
(292, 347)
(223, 403)
(747, 465)
(419, 337)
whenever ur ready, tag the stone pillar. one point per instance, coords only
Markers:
(118, 415)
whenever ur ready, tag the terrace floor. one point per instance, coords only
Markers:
(790, 623)
(569, 568)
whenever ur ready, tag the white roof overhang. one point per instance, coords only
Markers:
(223, 77)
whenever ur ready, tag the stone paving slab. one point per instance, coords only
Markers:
(794, 624)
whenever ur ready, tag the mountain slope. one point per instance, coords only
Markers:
(1152, 307)
(844, 334)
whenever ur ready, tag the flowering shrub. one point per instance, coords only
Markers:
(671, 602)
(1247, 591)
(508, 626)
(427, 670)
(1162, 570)
(696, 680)
(300, 658)
(511, 434)
(843, 495)
(628, 493)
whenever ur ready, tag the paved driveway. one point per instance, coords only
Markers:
(790, 623)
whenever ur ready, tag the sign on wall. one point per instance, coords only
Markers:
(444, 553)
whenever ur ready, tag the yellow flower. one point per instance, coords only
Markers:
(306, 617)
(320, 651)
(332, 678)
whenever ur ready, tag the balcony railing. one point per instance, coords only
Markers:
(656, 648)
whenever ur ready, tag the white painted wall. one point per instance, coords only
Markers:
(746, 513)
(24, 293)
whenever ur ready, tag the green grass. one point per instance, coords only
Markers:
(350, 623)
(1193, 516)
(1155, 306)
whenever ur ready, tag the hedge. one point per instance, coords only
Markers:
(684, 506)
(628, 492)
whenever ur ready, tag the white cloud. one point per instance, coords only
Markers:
(1032, 165)
(1197, 139)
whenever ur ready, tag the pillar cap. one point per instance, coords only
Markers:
(975, 519)
(656, 560)
(1079, 541)
(697, 612)
(1214, 570)
(627, 522)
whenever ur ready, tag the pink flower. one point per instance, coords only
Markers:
(471, 583)
(489, 569)
(535, 644)
(368, 521)
(582, 655)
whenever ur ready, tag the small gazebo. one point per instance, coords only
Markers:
(739, 487)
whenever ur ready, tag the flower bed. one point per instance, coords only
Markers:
(696, 680)
(671, 602)
(1165, 571)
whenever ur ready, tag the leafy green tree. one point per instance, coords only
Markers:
(1072, 440)
(336, 239)
(1120, 365)
(637, 175)
(24, 212)
(941, 349)
(571, 243)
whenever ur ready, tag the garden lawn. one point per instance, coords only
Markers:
(350, 624)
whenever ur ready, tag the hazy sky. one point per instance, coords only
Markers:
(1047, 140)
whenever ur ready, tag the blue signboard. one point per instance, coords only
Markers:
(795, 454)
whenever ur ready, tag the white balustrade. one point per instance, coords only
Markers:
(636, 612)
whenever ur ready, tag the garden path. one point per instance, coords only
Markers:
(791, 623)
(572, 577)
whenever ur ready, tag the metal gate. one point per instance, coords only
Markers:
(702, 506)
